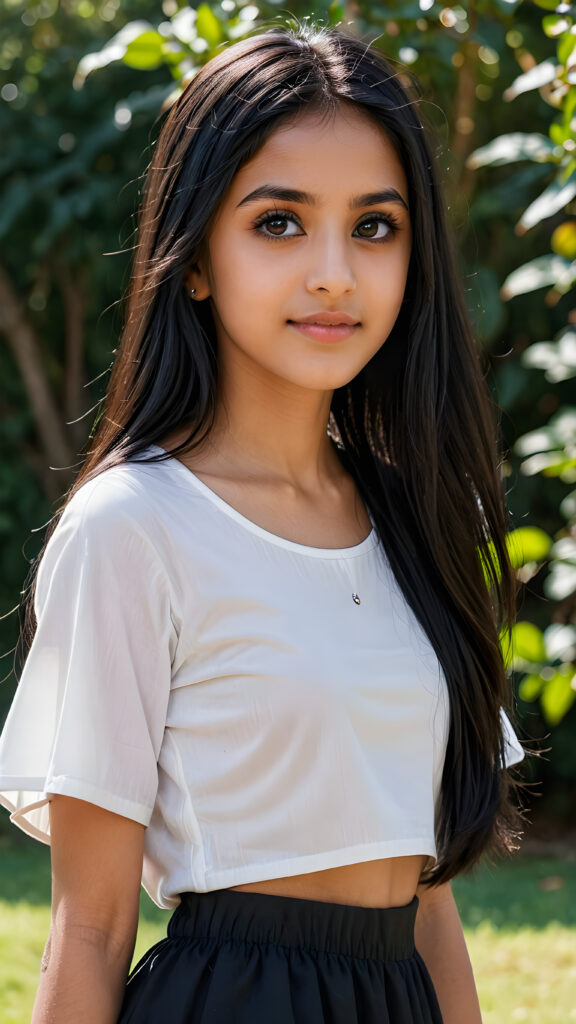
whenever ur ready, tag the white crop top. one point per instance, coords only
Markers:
(264, 707)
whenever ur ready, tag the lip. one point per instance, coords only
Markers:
(327, 333)
(329, 319)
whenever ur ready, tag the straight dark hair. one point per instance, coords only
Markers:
(415, 427)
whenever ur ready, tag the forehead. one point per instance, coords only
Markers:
(344, 151)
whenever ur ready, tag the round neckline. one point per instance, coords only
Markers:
(351, 552)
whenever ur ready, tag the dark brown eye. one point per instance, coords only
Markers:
(368, 228)
(277, 225)
(377, 228)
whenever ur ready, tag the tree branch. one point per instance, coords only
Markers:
(25, 346)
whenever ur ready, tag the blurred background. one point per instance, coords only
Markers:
(83, 85)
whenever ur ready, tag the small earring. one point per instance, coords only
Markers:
(191, 292)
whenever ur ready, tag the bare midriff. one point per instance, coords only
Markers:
(377, 883)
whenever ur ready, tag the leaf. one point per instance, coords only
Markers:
(556, 358)
(559, 133)
(554, 198)
(528, 643)
(114, 50)
(557, 434)
(527, 544)
(565, 549)
(558, 696)
(568, 506)
(561, 581)
(565, 281)
(555, 25)
(550, 464)
(184, 25)
(538, 273)
(541, 74)
(548, 5)
(560, 639)
(563, 423)
(208, 26)
(145, 52)
(566, 49)
(507, 149)
(530, 687)
(336, 12)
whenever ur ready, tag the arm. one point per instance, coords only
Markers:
(96, 873)
(441, 944)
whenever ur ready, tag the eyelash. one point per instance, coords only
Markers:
(272, 215)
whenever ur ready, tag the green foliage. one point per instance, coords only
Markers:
(557, 358)
(549, 656)
(182, 44)
(83, 84)
(527, 545)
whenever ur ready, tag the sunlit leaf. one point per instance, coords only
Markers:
(561, 581)
(558, 696)
(541, 440)
(507, 149)
(548, 5)
(568, 506)
(542, 271)
(555, 24)
(145, 52)
(527, 544)
(560, 640)
(535, 78)
(559, 133)
(530, 687)
(556, 358)
(528, 643)
(208, 26)
(549, 464)
(558, 194)
(566, 49)
(184, 25)
(113, 51)
(565, 548)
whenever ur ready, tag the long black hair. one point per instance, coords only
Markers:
(416, 426)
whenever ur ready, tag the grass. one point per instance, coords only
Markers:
(519, 918)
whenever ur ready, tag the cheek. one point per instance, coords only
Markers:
(387, 286)
(246, 271)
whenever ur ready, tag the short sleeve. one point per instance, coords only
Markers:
(513, 751)
(90, 708)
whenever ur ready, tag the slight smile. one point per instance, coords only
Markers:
(326, 326)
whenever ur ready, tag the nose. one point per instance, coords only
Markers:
(330, 267)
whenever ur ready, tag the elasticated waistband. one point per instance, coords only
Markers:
(229, 915)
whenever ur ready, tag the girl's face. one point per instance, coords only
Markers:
(307, 258)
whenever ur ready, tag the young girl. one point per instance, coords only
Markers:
(266, 676)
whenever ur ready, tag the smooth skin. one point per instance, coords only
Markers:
(317, 223)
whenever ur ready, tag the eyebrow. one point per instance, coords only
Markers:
(293, 195)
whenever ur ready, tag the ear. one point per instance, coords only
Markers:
(196, 277)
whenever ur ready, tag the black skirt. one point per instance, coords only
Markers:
(250, 958)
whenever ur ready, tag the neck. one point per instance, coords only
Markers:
(273, 429)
